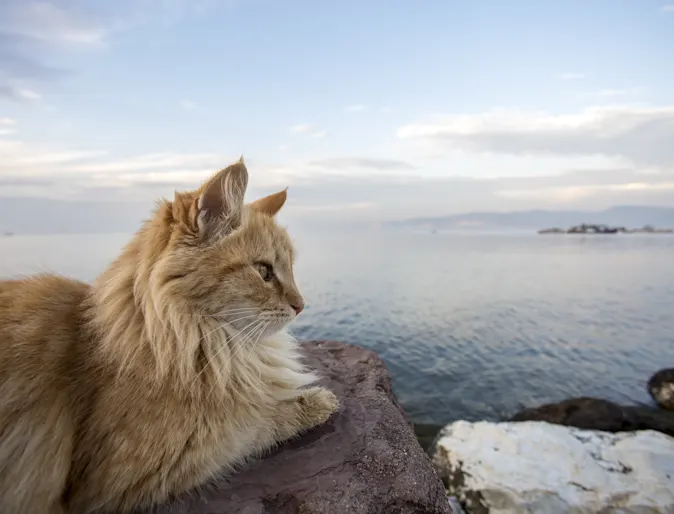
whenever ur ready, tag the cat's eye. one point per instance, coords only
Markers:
(265, 270)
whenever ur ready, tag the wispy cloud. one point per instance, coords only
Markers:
(614, 92)
(571, 194)
(309, 130)
(385, 110)
(668, 8)
(21, 95)
(337, 163)
(188, 105)
(356, 108)
(641, 135)
(335, 207)
(28, 167)
(33, 32)
(608, 93)
(6, 126)
(368, 186)
(571, 76)
(52, 22)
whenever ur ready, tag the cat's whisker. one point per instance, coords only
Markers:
(240, 309)
(240, 319)
(257, 332)
(208, 362)
(222, 326)
(217, 315)
(245, 339)
(218, 351)
(264, 328)
(240, 345)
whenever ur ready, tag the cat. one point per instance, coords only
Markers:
(173, 367)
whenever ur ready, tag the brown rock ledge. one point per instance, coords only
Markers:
(364, 460)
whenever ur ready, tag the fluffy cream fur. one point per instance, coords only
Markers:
(173, 367)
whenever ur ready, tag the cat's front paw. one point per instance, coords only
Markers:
(318, 404)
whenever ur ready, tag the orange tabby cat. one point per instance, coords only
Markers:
(171, 368)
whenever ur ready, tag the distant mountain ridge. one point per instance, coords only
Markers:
(630, 216)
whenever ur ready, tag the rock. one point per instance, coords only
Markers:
(595, 414)
(540, 467)
(364, 460)
(661, 388)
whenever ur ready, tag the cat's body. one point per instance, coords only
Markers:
(173, 367)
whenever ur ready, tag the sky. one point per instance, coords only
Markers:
(367, 110)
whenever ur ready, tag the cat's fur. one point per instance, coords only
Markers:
(172, 367)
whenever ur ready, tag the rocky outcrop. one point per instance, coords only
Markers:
(364, 460)
(539, 467)
(661, 388)
(596, 414)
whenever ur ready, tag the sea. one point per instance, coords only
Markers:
(471, 325)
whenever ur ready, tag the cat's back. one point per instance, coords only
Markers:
(40, 319)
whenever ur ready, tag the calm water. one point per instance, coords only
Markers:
(470, 326)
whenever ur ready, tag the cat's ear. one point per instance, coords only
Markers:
(271, 204)
(221, 197)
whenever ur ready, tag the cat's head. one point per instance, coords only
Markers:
(229, 260)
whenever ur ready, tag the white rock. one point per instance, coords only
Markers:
(544, 468)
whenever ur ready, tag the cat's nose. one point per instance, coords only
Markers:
(298, 305)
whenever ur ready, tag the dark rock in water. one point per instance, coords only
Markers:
(364, 460)
(661, 388)
(596, 414)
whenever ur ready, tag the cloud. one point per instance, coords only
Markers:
(640, 135)
(363, 163)
(609, 93)
(31, 33)
(571, 76)
(327, 169)
(19, 94)
(81, 173)
(188, 105)
(356, 108)
(385, 110)
(667, 8)
(357, 187)
(52, 23)
(36, 32)
(384, 185)
(574, 194)
(614, 92)
(301, 128)
(335, 207)
(6, 126)
(309, 130)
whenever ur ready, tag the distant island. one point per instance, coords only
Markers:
(618, 216)
(587, 228)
